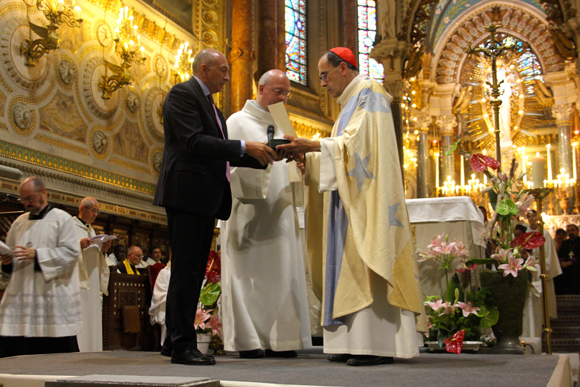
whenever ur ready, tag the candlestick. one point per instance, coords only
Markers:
(538, 166)
(549, 164)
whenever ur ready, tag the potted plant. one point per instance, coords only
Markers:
(511, 255)
(207, 323)
(458, 312)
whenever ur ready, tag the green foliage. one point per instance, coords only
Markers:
(507, 207)
(492, 195)
(452, 287)
(210, 294)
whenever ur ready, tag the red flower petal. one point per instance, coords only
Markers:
(529, 240)
(464, 269)
(480, 162)
(454, 344)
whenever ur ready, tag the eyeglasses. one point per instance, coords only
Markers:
(324, 74)
(28, 198)
(280, 92)
(96, 212)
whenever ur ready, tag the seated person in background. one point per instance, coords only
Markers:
(561, 234)
(119, 254)
(134, 256)
(519, 230)
(146, 262)
(159, 298)
(157, 266)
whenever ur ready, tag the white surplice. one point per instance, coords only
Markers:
(94, 280)
(159, 300)
(379, 329)
(43, 303)
(534, 309)
(263, 279)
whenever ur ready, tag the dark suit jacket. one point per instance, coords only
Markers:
(193, 172)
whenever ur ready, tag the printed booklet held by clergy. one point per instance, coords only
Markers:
(102, 238)
(4, 249)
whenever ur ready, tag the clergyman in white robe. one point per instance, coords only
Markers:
(534, 309)
(43, 303)
(265, 304)
(159, 300)
(94, 280)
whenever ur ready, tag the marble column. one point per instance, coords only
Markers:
(423, 171)
(242, 55)
(563, 116)
(446, 126)
(395, 89)
(281, 37)
(349, 16)
(267, 37)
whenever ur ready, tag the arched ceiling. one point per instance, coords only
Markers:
(472, 32)
(426, 20)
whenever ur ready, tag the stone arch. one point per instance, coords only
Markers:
(471, 32)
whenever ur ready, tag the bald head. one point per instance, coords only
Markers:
(273, 87)
(33, 195)
(211, 67)
(88, 210)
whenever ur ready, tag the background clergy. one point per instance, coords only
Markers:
(94, 277)
(361, 256)
(40, 311)
(265, 305)
(533, 312)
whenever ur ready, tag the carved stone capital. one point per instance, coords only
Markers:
(562, 113)
(424, 118)
(242, 53)
(394, 88)
(446, 124)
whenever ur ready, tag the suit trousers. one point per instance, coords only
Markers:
(190, 237)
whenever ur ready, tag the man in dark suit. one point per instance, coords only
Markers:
(194, 188)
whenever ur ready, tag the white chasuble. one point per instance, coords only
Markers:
(264, 286)
(364, 269)
(534, 309)
(94, 278)
(43, 303)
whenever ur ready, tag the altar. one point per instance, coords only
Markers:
(460, 219)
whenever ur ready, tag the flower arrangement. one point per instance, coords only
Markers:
(459, 310)
(206, 315)
(510, 254)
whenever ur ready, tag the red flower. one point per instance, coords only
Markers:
(480, 162)
(464, 269)
(454, 344)
(529, 240)
(213, 269)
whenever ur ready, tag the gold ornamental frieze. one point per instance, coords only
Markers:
(62, 144)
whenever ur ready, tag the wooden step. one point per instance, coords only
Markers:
(565, 320)
(564, 345)
(565, 332)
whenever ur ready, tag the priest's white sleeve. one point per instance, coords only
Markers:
(327, 166)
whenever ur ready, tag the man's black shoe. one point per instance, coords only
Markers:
(339, 358)
(366, 360)
(252, 354)
(192, 357)
(270, 353)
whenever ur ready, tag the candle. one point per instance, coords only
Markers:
(574, 159)
(436, 169)
(549, 164)
(538, 166)
(524, 162)
(462, 172)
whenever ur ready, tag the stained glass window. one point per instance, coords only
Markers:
(367, 31)
(296, 40)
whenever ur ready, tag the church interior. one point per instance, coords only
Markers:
(82, 86)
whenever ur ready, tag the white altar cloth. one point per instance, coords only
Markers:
(460, 219)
